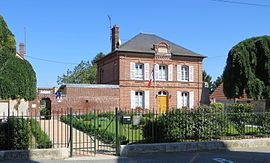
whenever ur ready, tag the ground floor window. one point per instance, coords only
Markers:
(185, 99)
(139, 99)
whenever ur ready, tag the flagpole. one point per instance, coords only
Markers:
(155, 93)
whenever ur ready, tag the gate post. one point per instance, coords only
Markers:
(117, 142)
(70, 132)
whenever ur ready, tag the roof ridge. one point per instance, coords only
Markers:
(147, 33)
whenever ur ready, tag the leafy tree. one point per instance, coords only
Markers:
(97, 57)
(248, 68)
(7, 40)
(85, 72)
(17, 77)
(208, 79)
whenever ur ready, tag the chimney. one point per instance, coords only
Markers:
(21, 49)
(115, 38)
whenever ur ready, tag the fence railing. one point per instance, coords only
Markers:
(186, 126)
(101, 131)
(19, 130)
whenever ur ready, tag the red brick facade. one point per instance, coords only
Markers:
(126, 84)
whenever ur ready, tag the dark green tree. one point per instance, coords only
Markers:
(217, 82)
(17, 77)
(248, 69)
(85, 72)
(7, 40)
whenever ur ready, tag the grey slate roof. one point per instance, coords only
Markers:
(144, 43)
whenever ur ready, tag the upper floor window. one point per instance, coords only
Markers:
(162, 74)
(138, 71)
(185, 73)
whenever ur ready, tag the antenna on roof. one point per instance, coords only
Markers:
(110, 20)
(110, 23)
(24, 30)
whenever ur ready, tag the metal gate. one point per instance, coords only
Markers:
(92, 131)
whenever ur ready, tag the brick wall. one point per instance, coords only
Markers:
(80, 99)
(108, 70)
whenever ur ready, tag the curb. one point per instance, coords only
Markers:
(136, 149)
(35, 154)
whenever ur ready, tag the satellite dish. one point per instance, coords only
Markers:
(119, 41)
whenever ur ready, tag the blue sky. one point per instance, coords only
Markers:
(73, 30)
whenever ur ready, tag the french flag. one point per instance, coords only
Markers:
(152, 77)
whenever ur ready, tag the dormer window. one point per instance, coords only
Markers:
(162, 48)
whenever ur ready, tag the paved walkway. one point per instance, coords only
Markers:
(83, 144)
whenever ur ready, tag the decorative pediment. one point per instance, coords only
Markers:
(162, 49)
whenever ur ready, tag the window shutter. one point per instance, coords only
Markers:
(179, 74)
(179, 100)
(132, 70)
(146, 71)
(191, 99)
(170, 73)
(146, 100)
(156, 71)
(132, 99)
(191, 73)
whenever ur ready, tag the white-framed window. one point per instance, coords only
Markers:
(185, 99)
(138, 71)
(162, 72)
(185, 73)
(139, 98)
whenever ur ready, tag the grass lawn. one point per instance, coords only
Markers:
(132, 133)
(249, 130)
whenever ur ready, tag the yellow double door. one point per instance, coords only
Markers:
(162, 104)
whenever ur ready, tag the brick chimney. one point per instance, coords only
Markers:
(115, 37)
(21, 49)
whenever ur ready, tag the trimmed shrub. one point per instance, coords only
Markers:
(263, 121)
(202, 123)
(15, 134)
(208, 122)
(217, 106)
(42, 139)
(240, 115)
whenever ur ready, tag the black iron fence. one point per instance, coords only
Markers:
(90, 131)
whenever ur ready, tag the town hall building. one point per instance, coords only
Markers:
(152, 72)
(146, 72)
